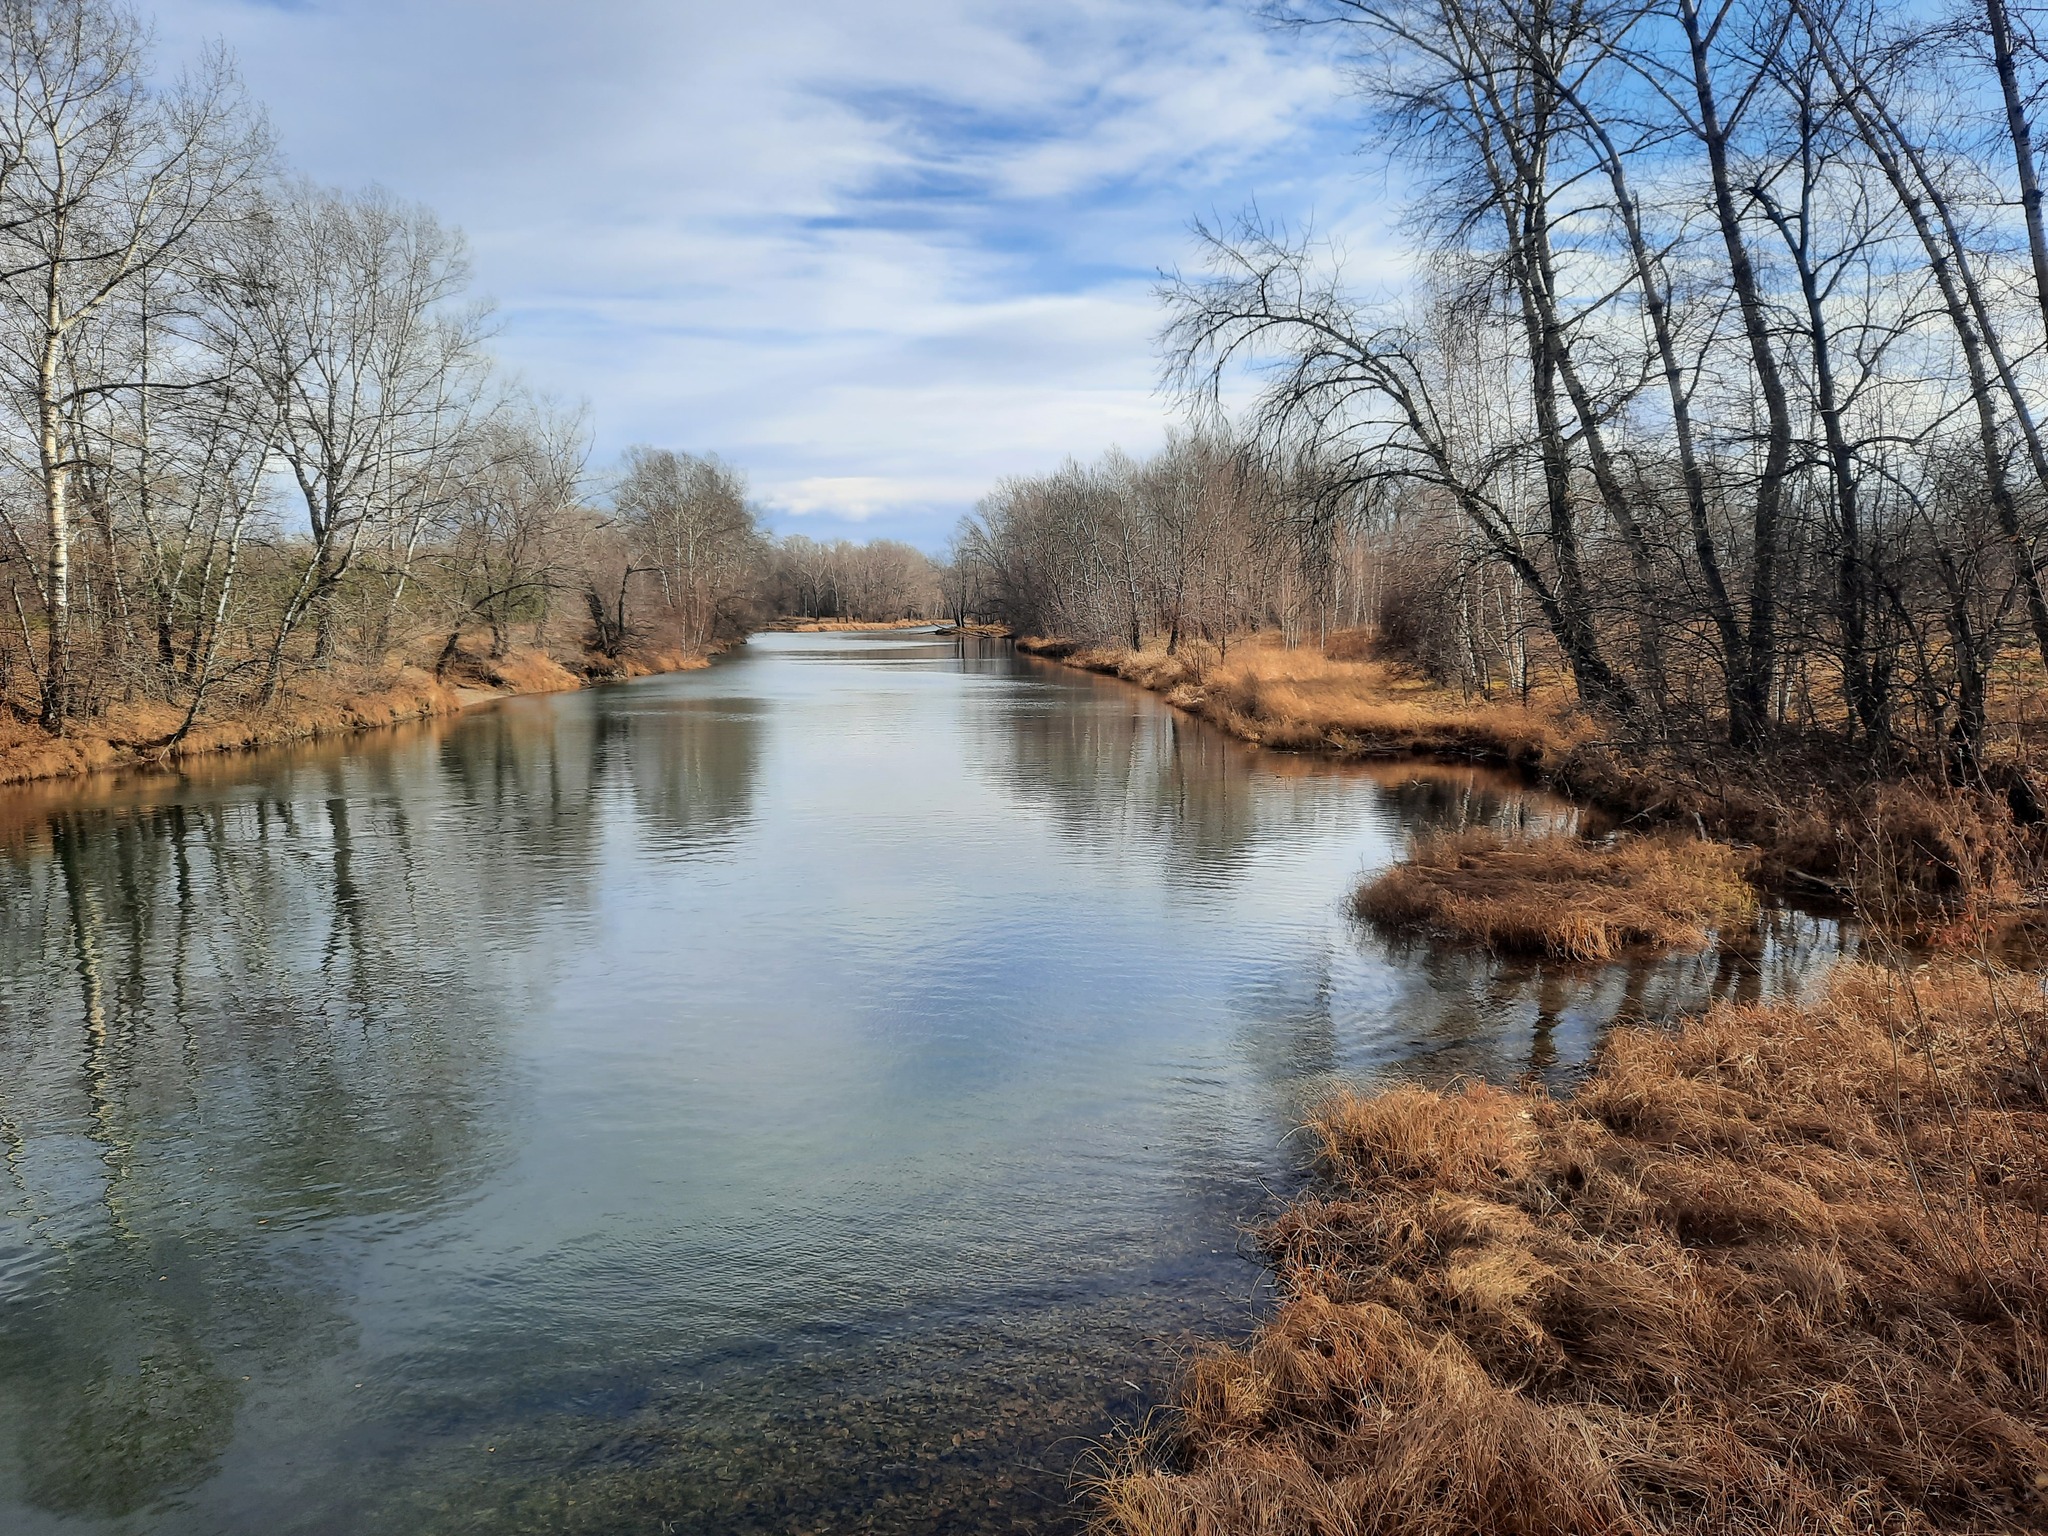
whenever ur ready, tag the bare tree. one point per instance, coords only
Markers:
(347, 304)
(503, 545)
(103, 181)
(696, 533)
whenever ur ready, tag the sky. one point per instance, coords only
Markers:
(876, 253)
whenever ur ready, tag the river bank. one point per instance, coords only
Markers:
(144, 735)
(1949, 862)
(798, 626)
(1781, 1268)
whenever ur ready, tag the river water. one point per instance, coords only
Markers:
(820, 1092)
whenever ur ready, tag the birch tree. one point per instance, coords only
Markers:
(104, 181)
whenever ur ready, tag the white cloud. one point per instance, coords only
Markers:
(856, 498)
(878, 253)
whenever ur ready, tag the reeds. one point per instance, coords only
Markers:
(1779, 1271)
(797, 626)
(1562, 896)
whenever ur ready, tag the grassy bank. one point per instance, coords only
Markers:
(1946, 859)
(339, 702)
(1780, 1270)
(1302, 698)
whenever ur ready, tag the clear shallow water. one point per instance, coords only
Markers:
(821, 1092)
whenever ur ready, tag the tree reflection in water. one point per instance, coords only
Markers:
(1109, 765)
(247, 1030)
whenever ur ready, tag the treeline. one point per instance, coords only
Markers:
(879, 580)
(251, 431)
(1205, 540)
(1720, 381)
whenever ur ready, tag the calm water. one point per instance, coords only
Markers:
(823, 1092)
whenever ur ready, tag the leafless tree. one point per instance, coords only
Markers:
(104, 182)
(693, 531)
(372, 372)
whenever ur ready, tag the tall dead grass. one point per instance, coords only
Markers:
(1563, 896)
(1299, 697)
(801, 626)
(1779, 1271)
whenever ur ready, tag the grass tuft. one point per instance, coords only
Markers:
(1562, 896)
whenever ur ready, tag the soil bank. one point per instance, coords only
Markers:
(140, 735)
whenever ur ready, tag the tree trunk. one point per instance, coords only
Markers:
(56, 699)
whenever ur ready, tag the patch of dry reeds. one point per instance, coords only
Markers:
(1563, 896)
(524, 670)
(1781, 1270)
(797, 626)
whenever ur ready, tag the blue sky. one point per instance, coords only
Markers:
(878, 253)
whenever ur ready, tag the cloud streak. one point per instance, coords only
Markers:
(878, 254)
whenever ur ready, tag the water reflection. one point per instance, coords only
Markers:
(1468, 1012)
(1431, 797)
(823, 1091)
(229, 1038)
(1110, 766)
(1109, 769)
(692, 770)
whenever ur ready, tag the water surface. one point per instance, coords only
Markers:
(820, 1092)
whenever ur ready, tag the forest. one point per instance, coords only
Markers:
(826, 1094)
(1716, 392)
(1716, 396)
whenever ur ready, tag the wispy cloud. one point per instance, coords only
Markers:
(879, 254)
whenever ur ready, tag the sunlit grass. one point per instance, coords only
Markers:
(1780, 1270)
(1563, 896)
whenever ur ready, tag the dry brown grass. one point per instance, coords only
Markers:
(990, 631)
(1781, 1271)
(1343, 701)
(847, 626)
(1563, 896)
(139, 734)
(524, 670)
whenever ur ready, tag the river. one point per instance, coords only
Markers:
(820, 1092)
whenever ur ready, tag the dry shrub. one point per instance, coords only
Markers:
(1562, 896)
(1360, 644)
(1779, 1271)
(1918, 850)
